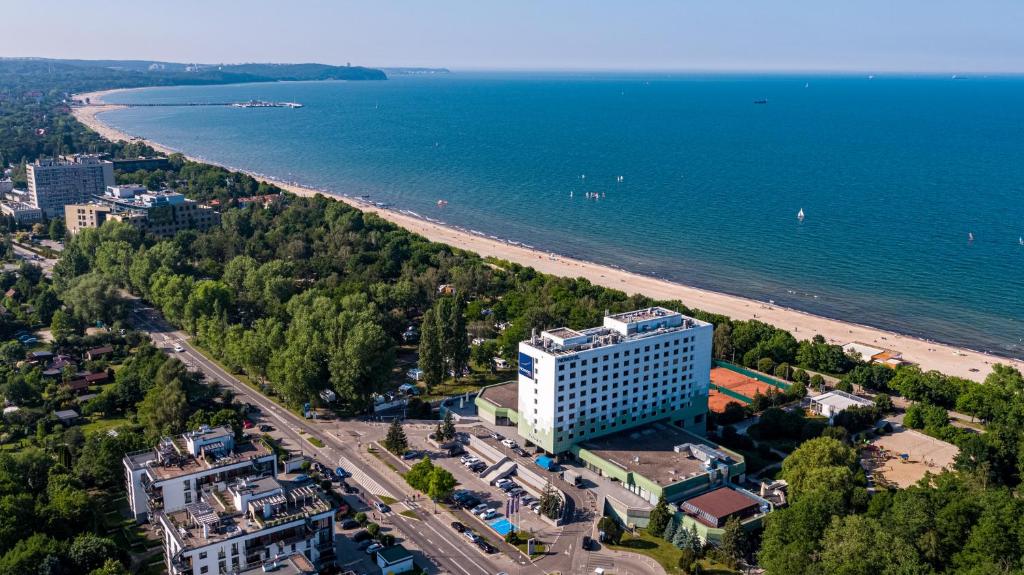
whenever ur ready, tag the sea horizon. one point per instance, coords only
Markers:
(727, 225)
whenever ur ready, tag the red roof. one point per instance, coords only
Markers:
(97, 377)
(721, 503)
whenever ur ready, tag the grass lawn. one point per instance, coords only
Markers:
(654, 547)
(474, 381)
(104, 424)
(388, 500)
(410, 514)
(665, 553)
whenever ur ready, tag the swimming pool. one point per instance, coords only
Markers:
(502, 526)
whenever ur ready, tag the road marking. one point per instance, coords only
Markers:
(363, 479)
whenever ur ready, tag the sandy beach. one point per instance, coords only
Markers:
(929, 355)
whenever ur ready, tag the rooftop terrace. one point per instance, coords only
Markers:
(170, 460)
(214, 518)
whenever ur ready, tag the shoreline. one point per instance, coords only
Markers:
(948, 359)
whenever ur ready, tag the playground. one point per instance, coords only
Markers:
(903, 457)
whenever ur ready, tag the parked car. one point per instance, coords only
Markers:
(496, 435)
(478, 467)
(348, 489)
(266, 428)
(509, 443)
(381, 506)
(374, 548)
(455, 450)
(458, 527)
(503, 481)
(485, 546)
(489, 514)
(340, 471)
(301, 478)
(247, 424)
(363, 535)
(470, 502)
(588, 543)
(349, 524)
(470, 535)
(479, 509)
(520, 452)
(411, 454)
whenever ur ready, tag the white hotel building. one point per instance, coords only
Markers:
(641, 366)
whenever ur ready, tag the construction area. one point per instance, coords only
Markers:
(903, 457)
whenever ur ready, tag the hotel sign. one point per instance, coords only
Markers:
(525, 365)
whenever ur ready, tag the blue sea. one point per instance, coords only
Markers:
(695, 182)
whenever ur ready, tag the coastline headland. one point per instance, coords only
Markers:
(929, 355)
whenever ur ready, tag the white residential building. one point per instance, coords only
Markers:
(835, 402)
(640, 366)
(221, 507)
(53, 184)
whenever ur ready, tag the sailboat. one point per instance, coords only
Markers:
(970, 236)
(620, 179)
(800, 215)
(570, 193)
(1020, 240)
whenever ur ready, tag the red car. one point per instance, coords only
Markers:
(246, 424)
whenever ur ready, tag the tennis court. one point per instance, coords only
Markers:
(738, 382)
(502, 526)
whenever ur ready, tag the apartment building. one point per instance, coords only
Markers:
(163, 213)
(221, 507)
(638, 367)
(55, 183)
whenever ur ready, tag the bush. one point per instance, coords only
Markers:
(611, 529)
(765, 365)
(373, 529)
(687, 558)
(361, 518)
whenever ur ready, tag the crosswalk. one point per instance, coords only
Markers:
(594, 561)
(363, 479)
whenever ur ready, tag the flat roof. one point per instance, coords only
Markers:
(722, 502)
(394, 554)
(645, 314)
(294, 564)
(503, 394)
(841, 400)
(188, 464)
(649, 451)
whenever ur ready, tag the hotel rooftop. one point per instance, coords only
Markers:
(617, 328)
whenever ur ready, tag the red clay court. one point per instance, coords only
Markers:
(718, 400)
(734, 381)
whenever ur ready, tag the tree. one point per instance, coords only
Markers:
(430, 359)
(442, 484)
(89, 552)
(550, 502)
(94, 298)
(419, 475)
(670, 530)
(62, 325)
(817, 381)
(448, 428)
(735, 543)
(660, 517)
(56, 230)
(765, 365)
(373, 529)
(30, 554)
(857, 545)
(782, 371)
(722, 341)
(611, 529)
(820, 463)
(111, 567)
(163, 410)
(396, 441)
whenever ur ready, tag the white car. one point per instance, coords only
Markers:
(374, 548)
(488, 514)
(509, 443)
(178, 348)
(479, 509)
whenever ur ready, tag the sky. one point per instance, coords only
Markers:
(709, 35)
